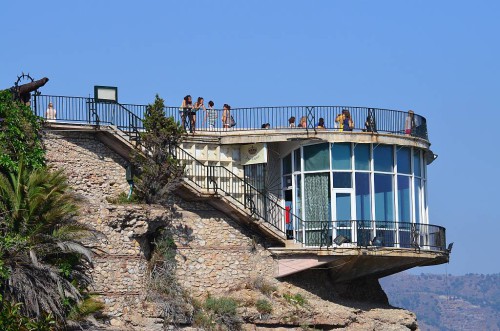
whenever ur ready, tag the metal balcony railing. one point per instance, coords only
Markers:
(371, 120)
(220, 180)
(365, 233)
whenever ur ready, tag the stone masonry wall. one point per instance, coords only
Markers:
(218, 255)
(214, 256)
(93, 170)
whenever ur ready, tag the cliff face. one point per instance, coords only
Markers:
(213, 256)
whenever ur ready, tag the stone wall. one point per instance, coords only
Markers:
(214, 255)
(218, 255)
(93, 170)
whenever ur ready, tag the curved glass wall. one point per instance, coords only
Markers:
(362, 192)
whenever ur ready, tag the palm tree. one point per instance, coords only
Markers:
(43, 262)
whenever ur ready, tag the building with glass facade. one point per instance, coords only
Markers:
(360, 191)
(340, 187)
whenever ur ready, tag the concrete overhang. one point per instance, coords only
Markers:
(286, 135)
(354, 262)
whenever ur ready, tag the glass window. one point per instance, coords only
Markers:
(417, 200)
(404, 202)
(404, 160)
(341, 156)
(363, 201)
(287, 164)
(296, 155)
(342, 180)
(416, 163)
(316, 157)
(425, 206)
(343, 207)
(384, 198)
(317, 197)
(298, 196)
(287, 181)
(383, 158)
(362, 157)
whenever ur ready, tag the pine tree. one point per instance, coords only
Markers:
(158, 171)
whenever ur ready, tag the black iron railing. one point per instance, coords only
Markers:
(370, 233)
(220, 180)
(87, 111)
(370, 120)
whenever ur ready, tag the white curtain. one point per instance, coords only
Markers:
(316, 200)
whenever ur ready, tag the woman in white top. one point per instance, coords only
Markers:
(50, 114)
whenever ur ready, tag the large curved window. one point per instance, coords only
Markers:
(341, 156)
(381, 188)
(316, 157)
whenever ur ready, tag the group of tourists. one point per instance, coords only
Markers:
(343, 122)
(188, 112)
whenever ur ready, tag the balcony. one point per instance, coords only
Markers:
(128, 117)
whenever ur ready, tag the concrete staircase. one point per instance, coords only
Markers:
(121, 143)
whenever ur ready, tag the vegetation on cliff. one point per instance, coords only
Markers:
(159, 171)
(20, 131)
(43, 261)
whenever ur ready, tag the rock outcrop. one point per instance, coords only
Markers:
(214, 256)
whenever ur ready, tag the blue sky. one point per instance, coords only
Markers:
(439, 58)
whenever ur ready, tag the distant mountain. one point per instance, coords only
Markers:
(448, 303)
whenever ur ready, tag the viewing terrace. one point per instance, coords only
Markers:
(405, 238)
(128, 117)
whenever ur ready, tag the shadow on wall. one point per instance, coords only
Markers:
(362, 293)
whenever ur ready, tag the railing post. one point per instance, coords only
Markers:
(35, 101)
(209, 176)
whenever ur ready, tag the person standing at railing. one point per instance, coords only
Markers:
(226, 116)
(186, 107)
(410, 123)
(321, 124)
(370, 124)
(291, 122)
(198, 105)
(50, 113)
(211, 116)
(348, 124)
(339, 122)
(303, 122)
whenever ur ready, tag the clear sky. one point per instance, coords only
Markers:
(439, 58)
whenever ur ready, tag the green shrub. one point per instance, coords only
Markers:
(218, 314)
(263, 306)
(221, 306)
(85, 308)
(20, 131)
(123, 199)
(203, 320)
(11, 319)
(295, 299)
(264, 286)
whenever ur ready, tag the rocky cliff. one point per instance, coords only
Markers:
(207, 257)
